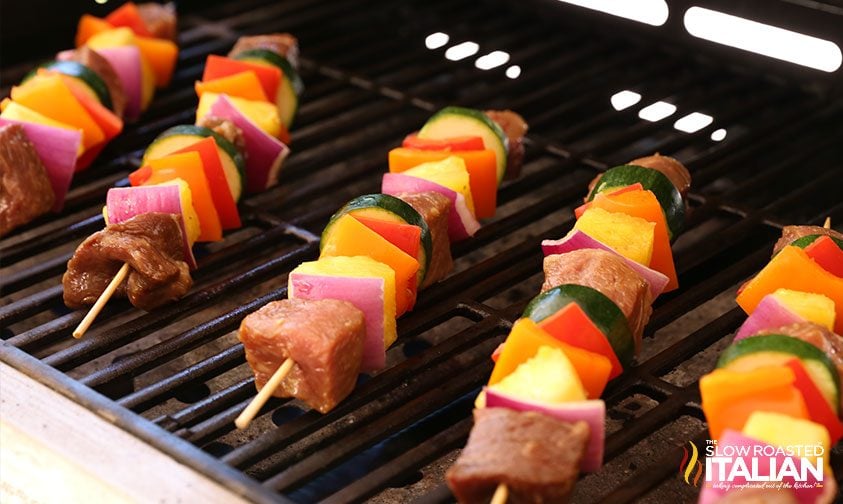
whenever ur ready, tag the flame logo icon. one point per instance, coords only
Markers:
(687, 467)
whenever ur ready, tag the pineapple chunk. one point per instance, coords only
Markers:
(450, 172)
(191, 220)
(632, 237)
(548, 377)
(808, 305)
(263, 114)
(112, 38)
(782, 430)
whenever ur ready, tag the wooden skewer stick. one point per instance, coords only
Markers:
(501, 494)
(827, 223)
(257, 403)
(100, 304)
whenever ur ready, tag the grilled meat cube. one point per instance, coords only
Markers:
(434, 208)
(535, 455)
(150, 243)
(323, 337)
(281, 43)
(225, 129)
(671, 168)
(25, 190)
(514, 126)
(160, 20)
(100, 66)
(792, 233)
(816, 335)
(607, 273)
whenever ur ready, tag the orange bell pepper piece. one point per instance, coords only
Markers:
(793, 269)
(524, 341)
(242, 85)
(404, 236)
(572, 325)
(107, 120)
(219, 66)
(188, 167)
(644, 204)
(50, 96)
(127, 15)
(481, 166)
(730, 397)
(161, 55)
(350, 237)
(214, 172)
(89, 26)
(827, 254)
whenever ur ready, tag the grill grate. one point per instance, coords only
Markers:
(370, 81)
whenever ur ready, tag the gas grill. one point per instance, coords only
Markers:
(176, 378)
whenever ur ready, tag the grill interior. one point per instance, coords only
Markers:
(370, 80)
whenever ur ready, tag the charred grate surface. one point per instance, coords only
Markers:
(370, 80)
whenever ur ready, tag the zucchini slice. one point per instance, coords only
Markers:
(291, 87)
(652, 180)
(453, 122)
(184, 135)
(391, 209)
(600, 309)
(89, 79)
(776, 349)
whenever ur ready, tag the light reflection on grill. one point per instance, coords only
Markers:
(182, 369)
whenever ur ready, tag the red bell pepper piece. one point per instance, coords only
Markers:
(404, 236)
(140, 176)
(634, 187)
(818, 408)
(827, 254)
(571, 325)
(128, 15)
(219, 66)
(220, 193)
(455, 144)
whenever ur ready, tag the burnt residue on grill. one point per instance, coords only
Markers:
(180, 373)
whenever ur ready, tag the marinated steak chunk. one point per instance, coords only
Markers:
(25, 189)
(536, 456)
(281, 43)
(100, 66)
(792, 233)
(160, 20)
(150, 243)
(323, 337)
(225, 129)
(817, 335)
(671, 168)
(607, 273)
(434, 208)
(514, 127)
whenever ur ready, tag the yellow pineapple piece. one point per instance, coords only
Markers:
(632, 237)
(263, 114)
(450, 172)
(782, 430)
(548, 377)
(808, 305)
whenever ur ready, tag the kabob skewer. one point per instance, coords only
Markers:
(195, 174)
(67, 110)
(379, 250)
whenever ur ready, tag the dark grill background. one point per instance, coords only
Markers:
(370, 80)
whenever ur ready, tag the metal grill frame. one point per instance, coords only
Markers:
(404, 105)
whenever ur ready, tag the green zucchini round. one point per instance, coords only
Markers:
(804, 241)
(600, 309)
(292, 85)
(388, 208)
(83, 74)
(183, 135)
(777, 349)
(652, 180)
